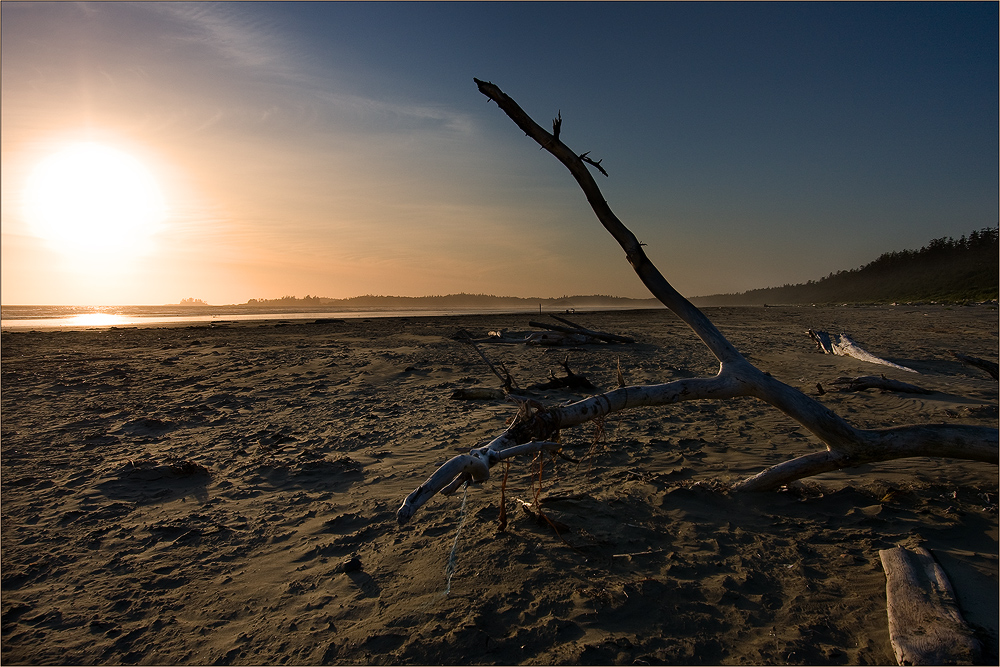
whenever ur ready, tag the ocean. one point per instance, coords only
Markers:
(22, 318)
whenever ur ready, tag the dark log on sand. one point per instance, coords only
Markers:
(477, 394)
(601, 335)
(880, 382)
(580, 331)
(925, 625)
(570, 381)
(988, 366)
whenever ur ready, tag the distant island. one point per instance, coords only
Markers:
(945, 270)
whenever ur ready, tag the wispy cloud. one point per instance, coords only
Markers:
(285, 87)
(226, 31)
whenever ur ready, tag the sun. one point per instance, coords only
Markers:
(93, 198)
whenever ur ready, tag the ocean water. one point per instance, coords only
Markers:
(86, 317)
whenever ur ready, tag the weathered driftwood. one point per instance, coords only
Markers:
(573, 333)
(505, 377)
(925, 625)
(557, 338)
(472, 467)
(570, 334)
(989, 366)
(570, 381)
(842, 345)
(573, 327)
(847, 445)
(880, 382)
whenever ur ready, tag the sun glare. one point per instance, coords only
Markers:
(97, 319)
(90, 197)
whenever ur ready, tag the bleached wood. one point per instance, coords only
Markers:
(842, 345)
(925, 624)
(847, 446)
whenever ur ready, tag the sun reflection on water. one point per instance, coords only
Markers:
(97, 320)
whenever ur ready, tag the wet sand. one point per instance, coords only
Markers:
(226, 494)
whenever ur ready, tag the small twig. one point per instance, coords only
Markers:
(557, 125)
(563, 456)
(583, 157)
(639, 553)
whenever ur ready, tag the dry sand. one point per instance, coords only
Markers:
(191, 495)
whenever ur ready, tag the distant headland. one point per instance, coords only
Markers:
(946, 270)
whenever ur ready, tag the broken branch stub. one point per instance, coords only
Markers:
(847, 446)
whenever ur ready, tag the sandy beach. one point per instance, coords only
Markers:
(226, 494)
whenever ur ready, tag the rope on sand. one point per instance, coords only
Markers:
(450, 569)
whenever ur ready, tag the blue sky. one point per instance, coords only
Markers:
(342, 148)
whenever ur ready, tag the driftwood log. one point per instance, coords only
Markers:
(925, 625)
(573, 328)
(842, 345)
(989, 366)
(536, 427)
(569, 381)
(879, 382)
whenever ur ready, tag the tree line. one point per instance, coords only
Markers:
(944, 270)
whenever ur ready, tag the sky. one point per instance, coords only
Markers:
(341, 149)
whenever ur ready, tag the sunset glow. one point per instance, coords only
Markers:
(92, 198)
(154, 151)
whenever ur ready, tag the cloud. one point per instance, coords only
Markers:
(226, 31)
(264, 77)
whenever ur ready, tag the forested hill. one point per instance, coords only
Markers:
(945, 270)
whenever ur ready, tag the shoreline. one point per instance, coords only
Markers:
(115, 320)
(108, 320)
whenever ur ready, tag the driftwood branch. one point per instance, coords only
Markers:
(570, 381)
(592, 163)
(577, 329)
(847, 445)
(505, 377)
(601, 335)
(925, 625)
